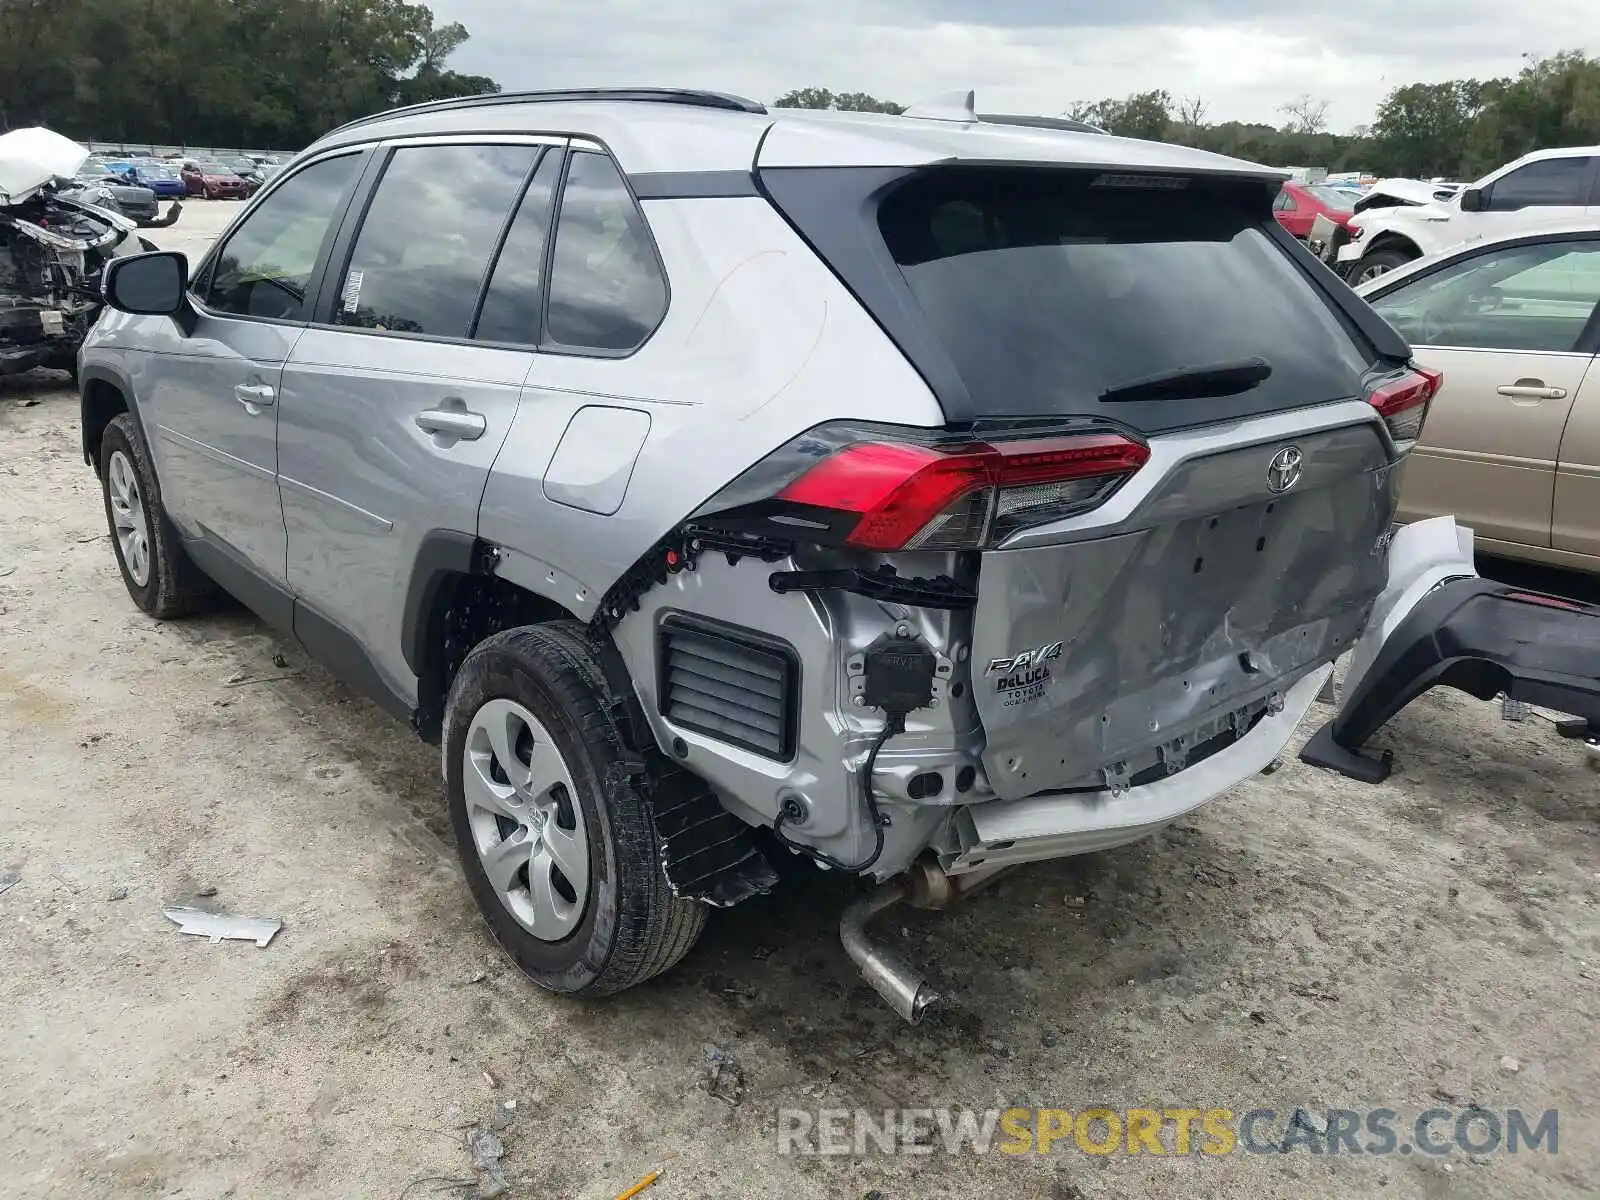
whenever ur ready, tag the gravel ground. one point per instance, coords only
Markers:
(1302, 940)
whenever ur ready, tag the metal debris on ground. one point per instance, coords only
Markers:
(486, 1150)
(724, 1075)
(246, 681)
(8, 880)
(504, 1113)
(218, 926)
(640, 1186)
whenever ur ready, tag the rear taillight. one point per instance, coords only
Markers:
(886, 493)
(1402, 400)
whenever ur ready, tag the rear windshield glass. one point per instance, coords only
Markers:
(1333, 197)
(1048, 290)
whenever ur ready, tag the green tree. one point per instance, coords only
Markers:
(1553, 102)
(1145, 115)
(220, 72)
(822, 98)
(1422, 129)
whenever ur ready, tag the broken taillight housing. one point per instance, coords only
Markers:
(1402, 399)
(889, 490)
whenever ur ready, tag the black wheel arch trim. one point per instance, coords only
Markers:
(442, 554)
(88, 375)
(1480, 637)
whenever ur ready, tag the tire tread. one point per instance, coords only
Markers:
(655, 929)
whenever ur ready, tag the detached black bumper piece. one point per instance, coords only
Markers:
(157, 222)
(1479, 637)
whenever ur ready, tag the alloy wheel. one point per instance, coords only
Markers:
(129, 518)
(526, 823)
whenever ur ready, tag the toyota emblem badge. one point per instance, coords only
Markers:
(1285, 469)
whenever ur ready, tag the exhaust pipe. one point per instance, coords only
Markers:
(924, 885)
(907, 991)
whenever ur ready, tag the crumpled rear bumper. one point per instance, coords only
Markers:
(1066, 823)
(1450, 628)
(1421, 557)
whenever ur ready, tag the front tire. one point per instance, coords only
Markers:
(555, 837)
(159, 575)
(1379, 262)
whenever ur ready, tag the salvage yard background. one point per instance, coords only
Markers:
(1434, 941)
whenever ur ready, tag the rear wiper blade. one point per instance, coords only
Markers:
(1193, 383)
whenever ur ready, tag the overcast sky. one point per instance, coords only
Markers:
(1244, 57)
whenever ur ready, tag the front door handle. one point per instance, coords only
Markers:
(1531, 389)
(254, 396)
(451, 423)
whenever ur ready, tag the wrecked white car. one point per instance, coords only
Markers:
(1402, 220)
(54, 243)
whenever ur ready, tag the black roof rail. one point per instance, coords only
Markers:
(652, 95)
(1065, 124)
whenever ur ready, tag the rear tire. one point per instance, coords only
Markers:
(567, 781)
(159, 575)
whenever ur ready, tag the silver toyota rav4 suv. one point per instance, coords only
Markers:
(919, 495)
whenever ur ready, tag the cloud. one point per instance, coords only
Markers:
(1244, 57)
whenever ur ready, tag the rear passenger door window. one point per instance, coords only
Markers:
(265, 267)
(607, 290)
(513, 306)
(424, 246)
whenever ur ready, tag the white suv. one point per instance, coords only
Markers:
(1534, 191)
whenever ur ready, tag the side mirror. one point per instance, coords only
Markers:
(1473, 200)
(147, 285)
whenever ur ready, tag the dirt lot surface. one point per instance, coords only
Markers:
(1432, 942)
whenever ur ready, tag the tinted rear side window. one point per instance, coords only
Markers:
(1047, 291)
(607, 292)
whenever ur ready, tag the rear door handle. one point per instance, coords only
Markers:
(464, 426)
(1532, 390)
(254, 395)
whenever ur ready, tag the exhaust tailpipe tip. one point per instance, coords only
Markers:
(906, 990)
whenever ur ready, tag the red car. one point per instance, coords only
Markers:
(1298, 204)
(213, 181)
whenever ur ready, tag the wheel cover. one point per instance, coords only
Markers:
(1372, 271)
(129, 521)
(527, 825)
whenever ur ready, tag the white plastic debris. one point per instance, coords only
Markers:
(218, 926)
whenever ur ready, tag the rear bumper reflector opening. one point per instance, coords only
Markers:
(731, 684)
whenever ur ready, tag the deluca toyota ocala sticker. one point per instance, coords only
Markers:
(1021, 678)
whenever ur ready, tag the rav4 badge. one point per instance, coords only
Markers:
(1028, 658)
